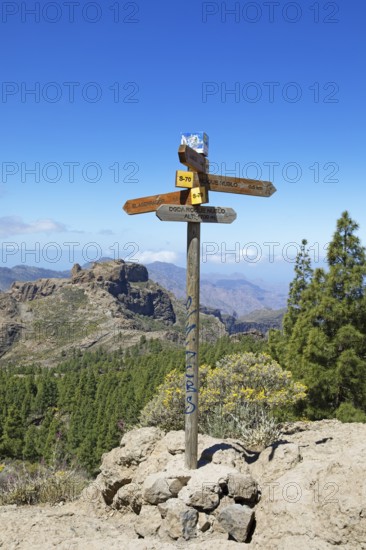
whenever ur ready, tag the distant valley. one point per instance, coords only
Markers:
(230, 294)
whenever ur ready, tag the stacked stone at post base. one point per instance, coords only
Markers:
(311, 492)
(146, 475)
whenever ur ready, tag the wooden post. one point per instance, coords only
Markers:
(192, 344)
(184, 208)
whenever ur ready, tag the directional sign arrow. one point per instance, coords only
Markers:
(198, 214)
(150, 204)
(242, 186)
(189, 157)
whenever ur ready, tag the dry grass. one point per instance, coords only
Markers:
(22, 483)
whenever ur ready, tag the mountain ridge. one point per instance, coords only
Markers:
(233, 294)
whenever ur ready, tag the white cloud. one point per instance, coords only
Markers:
(149, 256)
(14, 225)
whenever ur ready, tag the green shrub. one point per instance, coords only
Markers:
(348, 413)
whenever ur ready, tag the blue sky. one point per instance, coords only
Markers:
(279, 88)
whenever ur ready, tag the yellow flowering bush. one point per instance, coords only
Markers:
(236, 398)
(248, 378)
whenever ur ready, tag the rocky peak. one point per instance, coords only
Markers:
(122, 280)
(113, 275)
(99, 300)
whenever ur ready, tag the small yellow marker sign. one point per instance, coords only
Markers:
(184, 179)
(199, 195)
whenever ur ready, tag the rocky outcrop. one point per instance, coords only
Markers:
(212, 311)
(313, 488)
(118, 278)
(114, 271)
(8, 306)
(151, 302)
(10, 326)
(136, 273)
(26, 292)
(113, 275)
(9, 334)
(235, 326)
(306, 491)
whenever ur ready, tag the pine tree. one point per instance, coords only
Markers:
(346, 286)
(295, 304)
(324, 337)
(303, 275)
(13, 433)
(43, 432)
(47, 393)
(30, 448)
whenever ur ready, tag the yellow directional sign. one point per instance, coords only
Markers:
(199, 195)
(184, 179)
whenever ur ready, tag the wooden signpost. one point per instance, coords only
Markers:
(196, 214)
(184, 206)
(150, 204)
(194, 161)
(241, 186)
